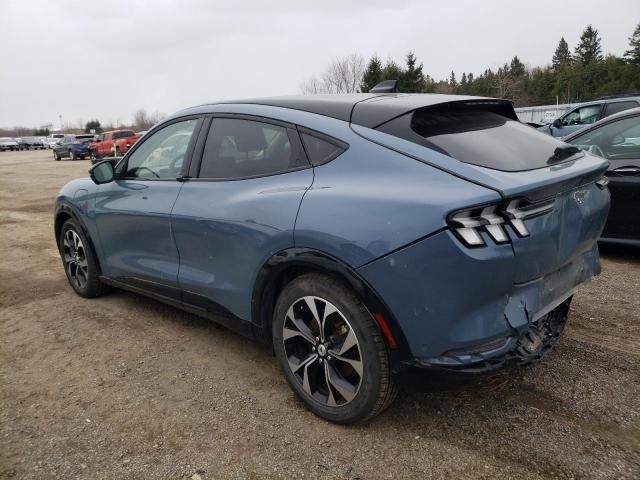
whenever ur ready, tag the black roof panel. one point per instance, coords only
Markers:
(366, 109)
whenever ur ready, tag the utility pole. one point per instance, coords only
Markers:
(60, 117)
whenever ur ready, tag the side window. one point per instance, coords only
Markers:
(618, 140)
(237, 148)
(161, 154)
(616, 107)
(321, 150)
(582, 116)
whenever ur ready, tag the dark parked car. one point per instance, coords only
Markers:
(73, 147)
(589, 113)
(359, 235)
(617, 139)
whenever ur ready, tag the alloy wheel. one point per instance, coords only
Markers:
(322, 351)
(75, 259)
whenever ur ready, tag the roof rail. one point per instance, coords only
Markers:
(621, 95)
(387, 86)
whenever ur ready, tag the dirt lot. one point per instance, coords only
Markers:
(123, 387)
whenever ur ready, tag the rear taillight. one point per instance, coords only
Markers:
(468, 225)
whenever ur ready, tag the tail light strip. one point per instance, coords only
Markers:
(468, 224)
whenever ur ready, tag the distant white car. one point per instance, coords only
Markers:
(7, 143)
(53, 139)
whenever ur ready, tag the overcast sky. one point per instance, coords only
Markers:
(105, 59)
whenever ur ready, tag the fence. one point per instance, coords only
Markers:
(543, 113)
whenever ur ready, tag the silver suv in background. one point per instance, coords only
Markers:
(7, 143)
(589, 113)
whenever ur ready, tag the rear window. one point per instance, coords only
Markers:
(476, 136)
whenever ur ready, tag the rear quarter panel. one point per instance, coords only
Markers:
(371, 201)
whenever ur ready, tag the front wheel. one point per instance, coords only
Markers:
(331, 350)
(79, 261)
(72, 156)
(56, 157)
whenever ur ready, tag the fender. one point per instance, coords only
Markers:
(291, 262)
(71, 210)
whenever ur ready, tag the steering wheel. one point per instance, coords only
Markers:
(149, 170)
(596, 150)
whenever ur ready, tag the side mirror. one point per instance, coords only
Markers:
(102, 172)
(557, 123)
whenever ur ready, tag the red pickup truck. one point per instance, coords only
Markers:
(113, 144)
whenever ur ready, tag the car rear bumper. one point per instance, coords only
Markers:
(459, 307)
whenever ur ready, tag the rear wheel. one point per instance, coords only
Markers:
(331, 351)
(72, 156)
(79, 262)
(56, 157)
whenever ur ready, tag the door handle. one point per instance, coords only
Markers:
(627, 171)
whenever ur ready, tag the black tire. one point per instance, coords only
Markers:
(92, 287)
(56, 157)
(118, 152)
(376, 389)
(72, 155)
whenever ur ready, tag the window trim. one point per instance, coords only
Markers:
(121, 166)
(198, 156)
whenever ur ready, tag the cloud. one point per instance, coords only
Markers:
(106, 59)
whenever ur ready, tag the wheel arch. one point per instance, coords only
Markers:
(65, 212)
(284, 266)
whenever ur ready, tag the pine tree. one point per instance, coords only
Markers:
(463, 80)
(412, 79)
(633, 54)
(391, 71)
(452, 79)
(372, 75)
(589, 49)
(562, 55)
(517, 68)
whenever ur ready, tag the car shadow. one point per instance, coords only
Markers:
(620, 252)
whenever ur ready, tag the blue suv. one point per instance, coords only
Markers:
(359, 235)
(589, 113)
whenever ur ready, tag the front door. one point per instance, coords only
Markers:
(133, 213)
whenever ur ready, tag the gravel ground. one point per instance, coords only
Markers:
(124, 387)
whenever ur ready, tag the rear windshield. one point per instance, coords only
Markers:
(478, 136)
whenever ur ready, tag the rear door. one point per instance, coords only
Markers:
(619, 142)
(238, 210)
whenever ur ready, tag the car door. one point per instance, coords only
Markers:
(238, 210)
(576, 119)
(619, 142)
(62, 149)
(133, 212)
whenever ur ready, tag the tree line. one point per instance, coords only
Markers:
(571, 76)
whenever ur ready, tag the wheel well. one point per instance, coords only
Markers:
(270, 283)
(60, 219)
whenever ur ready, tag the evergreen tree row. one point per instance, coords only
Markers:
(580, 76)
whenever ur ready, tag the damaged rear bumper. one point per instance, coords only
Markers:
(461, 309)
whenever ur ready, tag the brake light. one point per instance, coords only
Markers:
(468, 225)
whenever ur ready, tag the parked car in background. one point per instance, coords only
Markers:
(24, 143)
(142, 133)
(589, 113)
(54, 139)
(73, 147)
(617, 139)
(113, 144)
(7, 143)
(357, 234)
